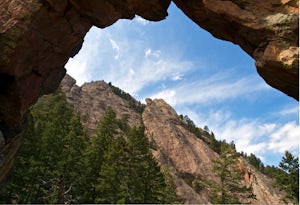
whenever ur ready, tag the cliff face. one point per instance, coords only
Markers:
(38, 37)
(190, 159)
(92, 99)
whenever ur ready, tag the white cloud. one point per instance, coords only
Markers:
(78, 71)
(116, 48)
(285, 138)
(290, 111)
(141, 21)
(216, 88)
(150, 53)
(80, 67)
(177, 76)
(138, 66)
(250, 135)
(167, 95)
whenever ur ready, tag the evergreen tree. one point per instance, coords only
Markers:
(112, 181)
(288, 179)
(99, 144)
(230, 176)
(146, 183)
(49, 160)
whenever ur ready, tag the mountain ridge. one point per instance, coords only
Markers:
(188, 158)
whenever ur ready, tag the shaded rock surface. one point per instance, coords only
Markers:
(38, 37)
(92, 99)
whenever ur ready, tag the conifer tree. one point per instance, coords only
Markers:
(99, 144)
(112, 180)
(51, 152)
(147, 183)
(230, 176)
(288, 179)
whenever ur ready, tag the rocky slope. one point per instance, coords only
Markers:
(92, 99)
(190, 159)
(37, 37)
(187, 158)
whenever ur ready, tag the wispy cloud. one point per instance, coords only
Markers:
(290, 111)
(128, 63)
(215, 88)
(116, 48)
(158, 68)
(250, 135)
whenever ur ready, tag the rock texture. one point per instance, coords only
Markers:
(261, 184)
(190, 159)
(267, 30)
(92, 99)
(38, 36)
(187, 157)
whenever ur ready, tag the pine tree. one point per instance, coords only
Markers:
(112, 183)
(106, 131)
(288, 179)
(146, 183)
(230, 176)
(53, 139)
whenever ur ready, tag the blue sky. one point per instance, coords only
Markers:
(214, 82)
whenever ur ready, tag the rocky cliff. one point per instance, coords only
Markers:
(92, 99)
(38, 37)
(188, 158)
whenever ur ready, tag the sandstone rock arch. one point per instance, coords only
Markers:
(37, 37)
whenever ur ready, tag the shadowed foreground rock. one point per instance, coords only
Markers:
(38, 37)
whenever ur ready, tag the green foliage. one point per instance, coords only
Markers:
(52, 150)
(190, 125)
(129, 173)
(230, 176)
(288, 178)
(98, 146)
(256, 162)
(60, 164)
(137, 106)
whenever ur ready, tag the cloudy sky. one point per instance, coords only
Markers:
(214, 82)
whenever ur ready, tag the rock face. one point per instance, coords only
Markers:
(187, 158)
(261, 184)
(92, 99)
(190, 159)
(38, 37)
(267, 30)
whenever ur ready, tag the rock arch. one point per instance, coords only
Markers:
(37, 37)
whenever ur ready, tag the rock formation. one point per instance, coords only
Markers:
(92, 99)
(187, 158)
(38, 37)
(190, 159)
